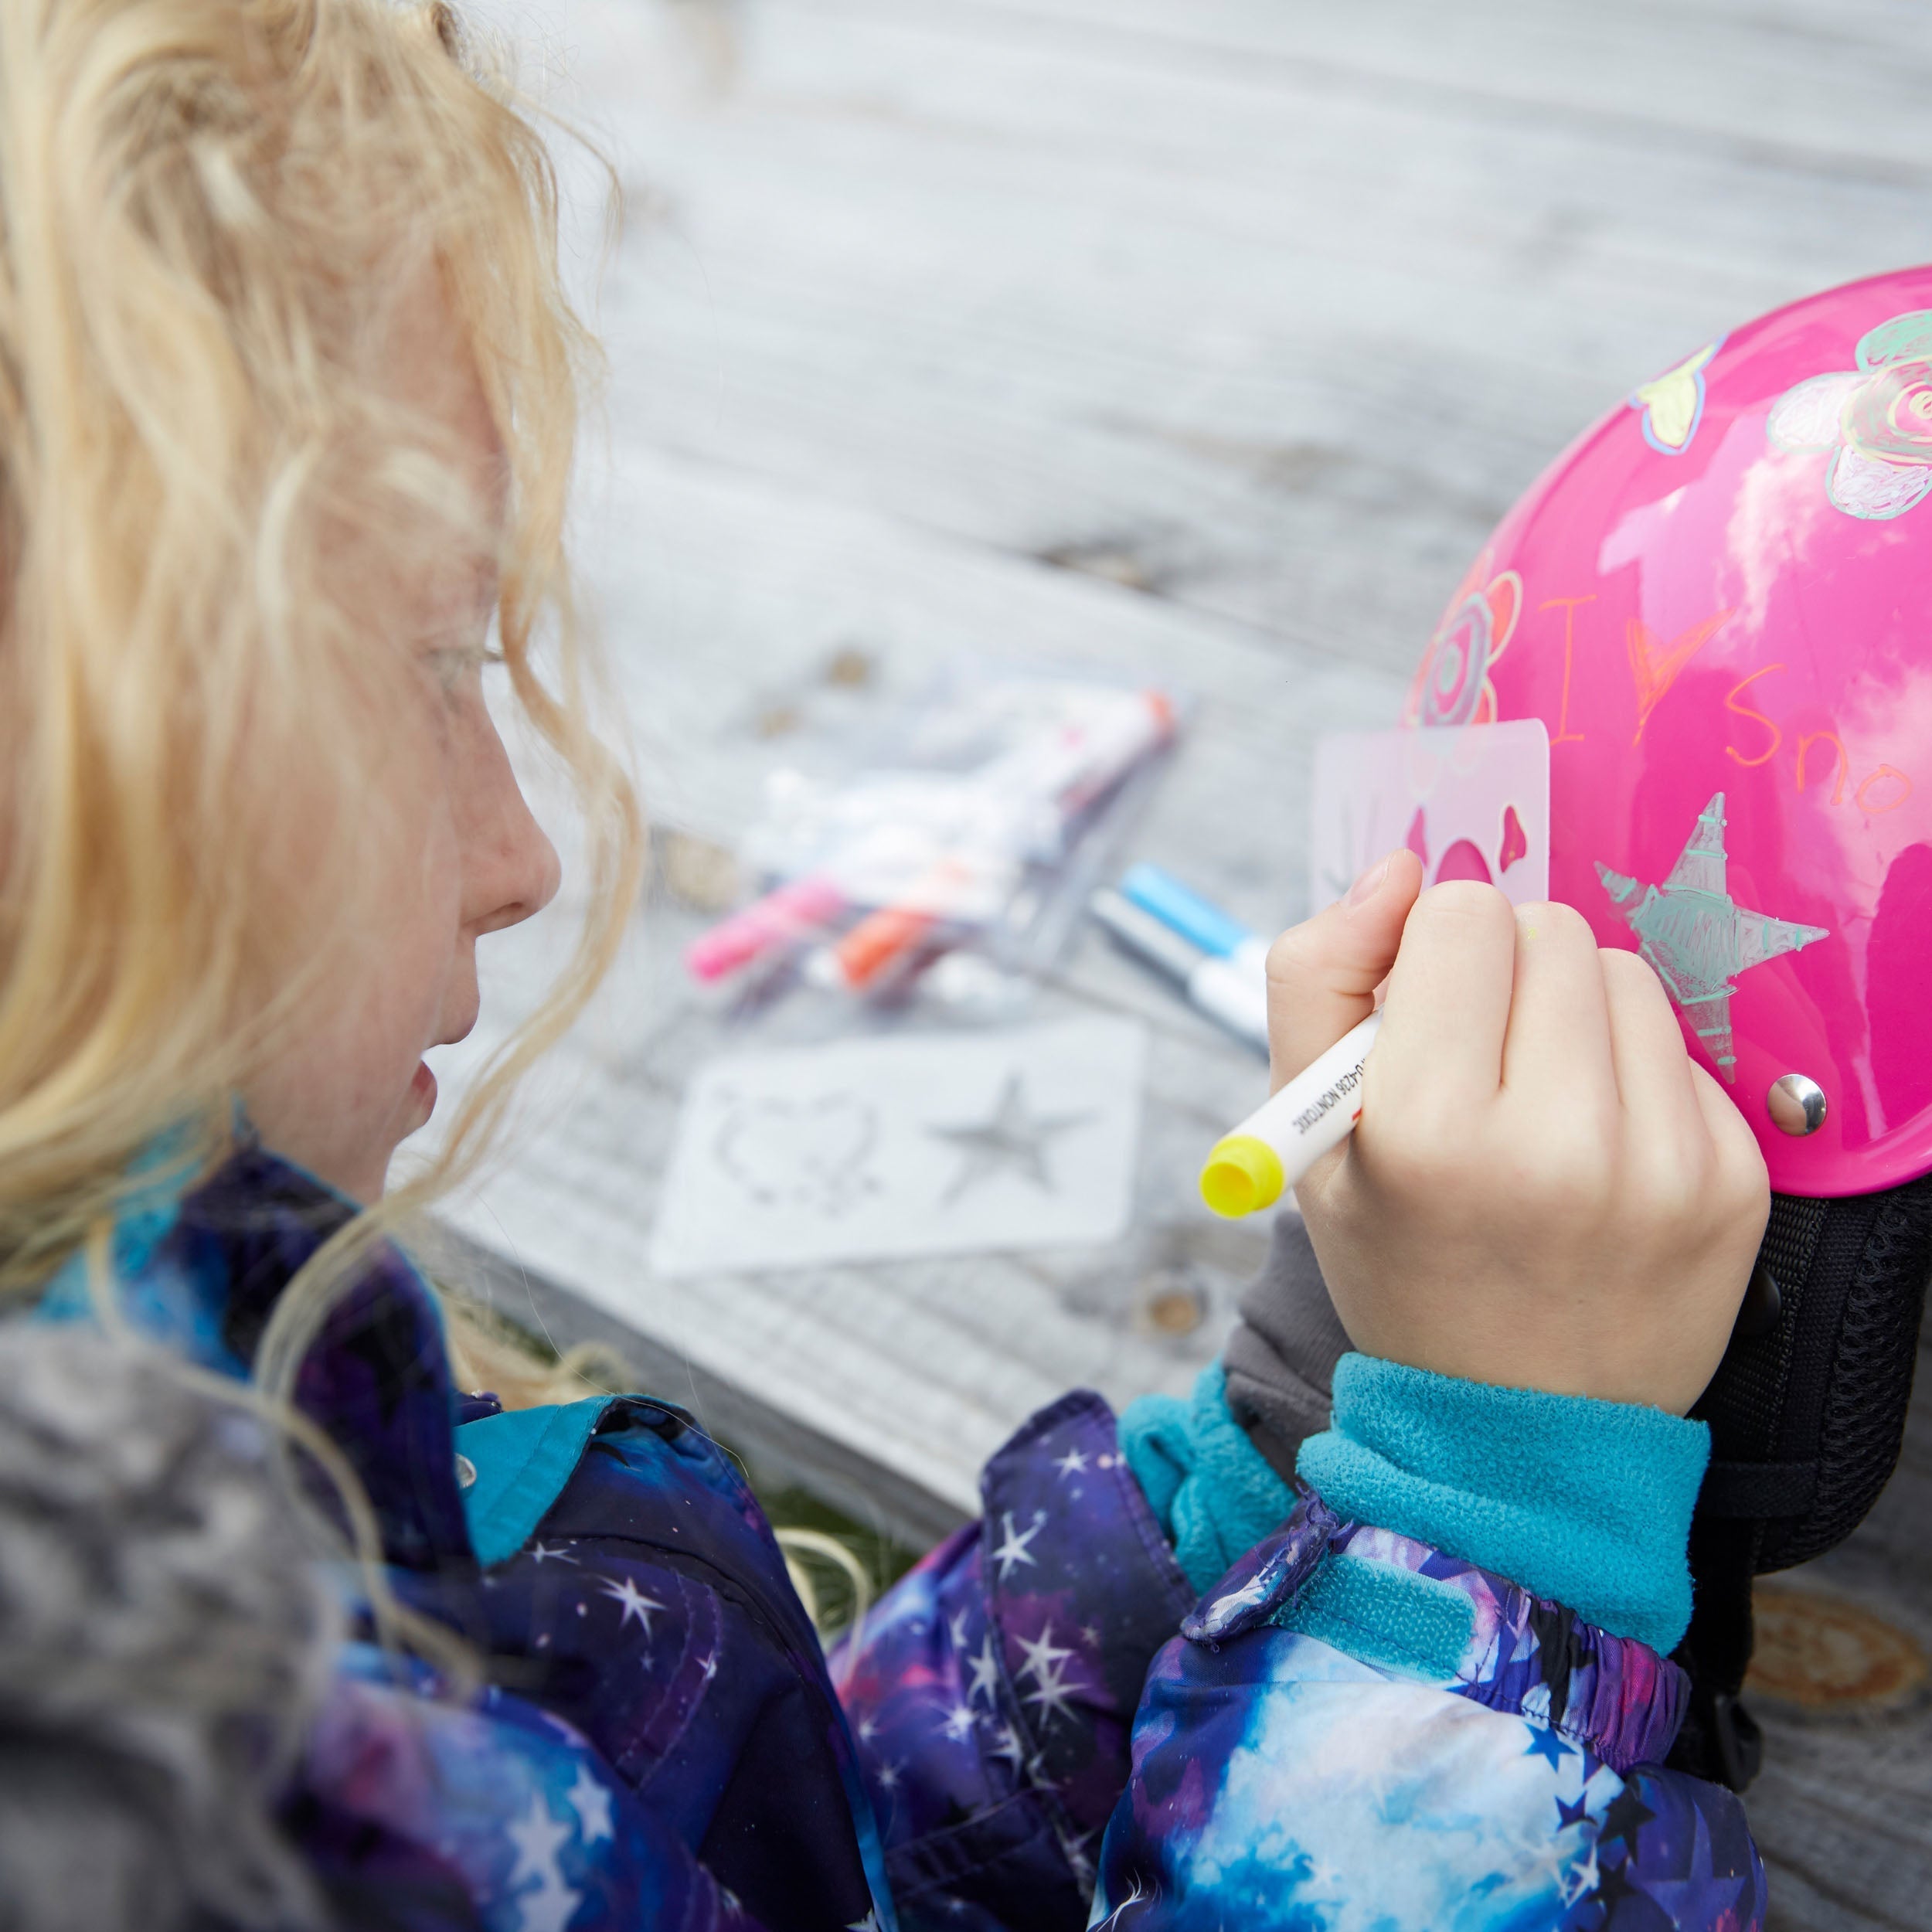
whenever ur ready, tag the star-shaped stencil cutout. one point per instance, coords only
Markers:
(1698, 937)
(1015, 1138)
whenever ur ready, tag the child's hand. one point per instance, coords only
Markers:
(1544, 1190)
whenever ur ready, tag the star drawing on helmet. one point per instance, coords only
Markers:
(958, 1723)
(1698, 937)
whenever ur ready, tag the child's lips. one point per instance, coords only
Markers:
(423, 1088)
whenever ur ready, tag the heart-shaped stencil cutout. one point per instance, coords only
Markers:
(1516, 841)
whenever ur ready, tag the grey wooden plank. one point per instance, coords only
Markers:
(1276, 351)
(1845, 82)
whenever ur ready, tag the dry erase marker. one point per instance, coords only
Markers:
(1218, 987)
(1253, 1167)
(781, 918)
(1198, 919)
(884, 941)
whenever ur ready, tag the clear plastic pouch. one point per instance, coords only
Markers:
(973, 818)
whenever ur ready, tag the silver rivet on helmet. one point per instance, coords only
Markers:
(1796, 1104)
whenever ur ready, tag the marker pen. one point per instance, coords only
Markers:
(886, 940)
(1099, 754)
(781, 918)
(1252, 1168)
(1236, 999)
(1196, 918)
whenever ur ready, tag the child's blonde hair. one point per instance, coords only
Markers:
(208, 210)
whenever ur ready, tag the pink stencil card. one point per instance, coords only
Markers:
(1472, 801)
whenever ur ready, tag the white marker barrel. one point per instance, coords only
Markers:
(1252, 1168)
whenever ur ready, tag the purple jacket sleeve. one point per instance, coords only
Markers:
(1353, 1731)
(419, 1814)
(992, 1692)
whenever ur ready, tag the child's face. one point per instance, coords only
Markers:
(465, 857)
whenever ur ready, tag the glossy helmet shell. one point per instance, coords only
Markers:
(1718, 601)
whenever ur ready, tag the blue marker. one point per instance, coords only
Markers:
(1183, 909)
(1237, 999)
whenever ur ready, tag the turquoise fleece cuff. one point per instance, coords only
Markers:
(1587, 1503)
(1210, 1488)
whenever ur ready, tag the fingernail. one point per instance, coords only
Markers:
(1369, 884)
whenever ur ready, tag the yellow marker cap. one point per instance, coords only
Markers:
(1242, 1175)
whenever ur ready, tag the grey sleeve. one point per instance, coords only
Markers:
(1281, 1358)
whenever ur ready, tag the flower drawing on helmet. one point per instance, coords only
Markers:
(1452, 688)
(1873, 423)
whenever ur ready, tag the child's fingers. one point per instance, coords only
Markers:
(1559, 1038)
(1322, 974)
(1448, 1013)
(1652, 1066)
(1742, 1177)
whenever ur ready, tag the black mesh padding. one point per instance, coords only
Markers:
(1870, 1387)
(1806, 1421)
(1806, 1425)
(1746, 1399)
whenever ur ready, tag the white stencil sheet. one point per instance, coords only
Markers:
(906, 1146)
(1472, 802)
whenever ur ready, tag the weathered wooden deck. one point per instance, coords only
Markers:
(1208, 337)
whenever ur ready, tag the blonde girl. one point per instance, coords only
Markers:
(287, 392)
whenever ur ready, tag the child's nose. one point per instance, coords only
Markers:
(527, 874)
(542, 869)
(512, 869)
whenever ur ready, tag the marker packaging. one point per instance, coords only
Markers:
(975, 816)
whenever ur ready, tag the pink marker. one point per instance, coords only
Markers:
(781, 918)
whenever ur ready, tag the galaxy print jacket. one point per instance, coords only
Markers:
(1044, 1726)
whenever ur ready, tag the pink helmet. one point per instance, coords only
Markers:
(1718, 601)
